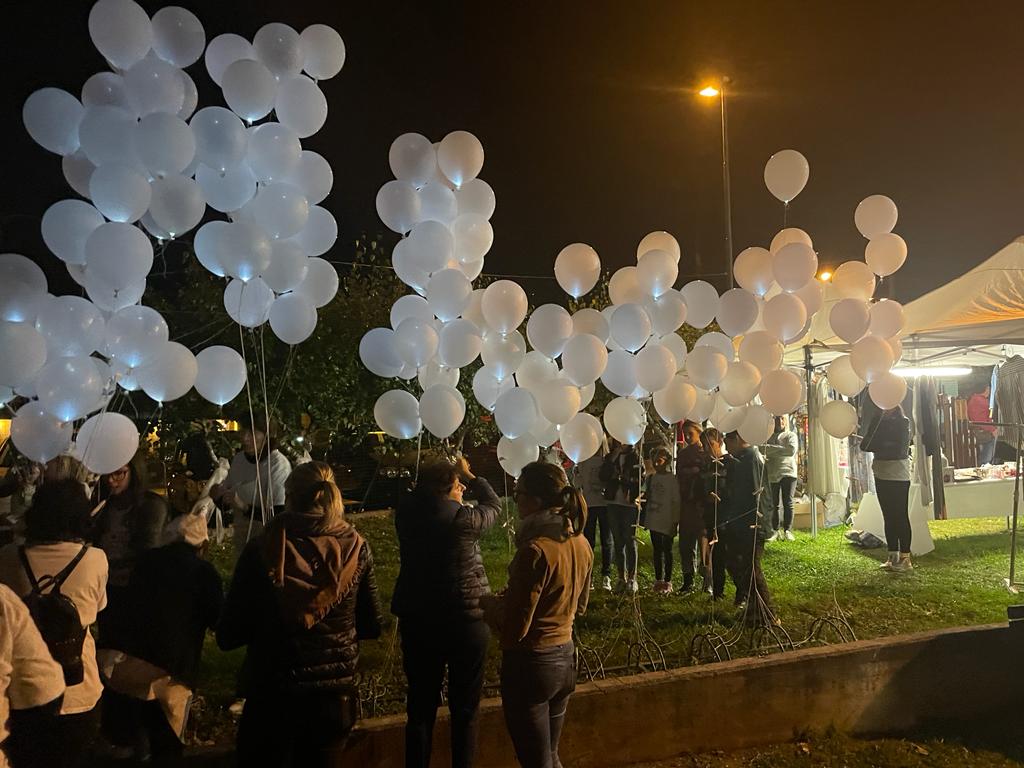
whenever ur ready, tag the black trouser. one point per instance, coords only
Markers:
(304, 730)
(893, 498)
(429, 646)
(64, 741)
(598, 516)
(661, 544)
(782, 491)
(688, 541)
(745, 548)
(624, 519)
(142, 725)
(535, 689)
(722, 563)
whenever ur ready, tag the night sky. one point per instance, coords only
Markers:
(592, 130)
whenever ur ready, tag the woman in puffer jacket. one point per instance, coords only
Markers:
(302, 596)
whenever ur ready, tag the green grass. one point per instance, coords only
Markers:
(958, 584)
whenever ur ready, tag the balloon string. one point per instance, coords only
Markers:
(252, 422)
(266, 412)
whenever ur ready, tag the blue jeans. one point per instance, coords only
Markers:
(985, 452)
(623, 521)
(536, 685)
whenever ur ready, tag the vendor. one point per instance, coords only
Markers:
(979, 412)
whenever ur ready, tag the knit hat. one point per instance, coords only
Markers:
(190, 529)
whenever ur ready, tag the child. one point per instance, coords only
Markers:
(661, 508)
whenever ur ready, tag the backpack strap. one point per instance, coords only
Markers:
(53, 583)
(28, 568)
(61, 577)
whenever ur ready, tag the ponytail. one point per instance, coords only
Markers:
(574, 509)
(548, 483)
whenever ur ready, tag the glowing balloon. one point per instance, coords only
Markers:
(854, 280)
(838, 418)
(656, 272)
(590, 321)
(313, 175)
(377, 352)
(667, 312)
(397, 413)
(223, 51)
(442, 409)
(515, 454)
(581, 437)
(625, 420)
(274, 152)
(631, 326)
(280, 48)
(37, 434)
(476, 196)
(875, 215)
(789, 235)
(871, 358)
(107, 135)
(888, 391)
(674, 343)
(786, 174)
(548, 329)
(22, 354)
(487, 388)
(177, 204)
(558, 400)
(69, 387)
(516, 412)
(794, 266)
(77, 170)
(165, 144)
(740, 384)
(675, 402)
(460, 344)
(535, 370)
(577, 269)
(153, 85)
(293, 318)
(320, 285)
(412, 159)
(660, 241)
(503, 353)
(885, 254)
(71, 325)
(813, 297)
(753, 270)
(718, 341)
(119, 192)
(460, 157)
(226, 191)
(448, 294)
(178, 36)
(887, 318)
(220, 374)
(504, 306)
(416, 341)
(319, 234)
(623, 288)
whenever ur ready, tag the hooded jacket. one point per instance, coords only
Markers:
(749, 502)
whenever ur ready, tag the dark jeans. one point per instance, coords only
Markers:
(893, 498)
(783, 491)
(429, 646)
(688, 542)
(598, 516)
(131, 722)
(662, 543)
(624, 521)
(746, 549)
(535, 690)
(304, 730)
(721, 564)
(64, 741)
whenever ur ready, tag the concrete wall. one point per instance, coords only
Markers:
(873, 686)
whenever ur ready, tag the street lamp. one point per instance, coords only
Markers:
(711, 92)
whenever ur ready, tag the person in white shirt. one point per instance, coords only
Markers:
(254, 487)
(29, 680)
(780, 464)
(54, 538)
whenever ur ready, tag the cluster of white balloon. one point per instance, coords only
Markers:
(126, 147)
(734, 377)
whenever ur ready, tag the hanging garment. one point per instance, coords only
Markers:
(925, 412)
(1010, 397)
(825, 477)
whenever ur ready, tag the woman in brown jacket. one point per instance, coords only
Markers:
(548, 586)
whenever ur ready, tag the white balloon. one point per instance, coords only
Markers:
(397, 412)
(118, 254)
(220, 138)
(71, 325)
(590, 321)
(111, 300)
(487, 388)
(897, 349)
(516, 412)
(460, 157)
(786, 174)
(558, 400)
(737, 311)
(301, 105)
(432, 245)
(587, 395)
(66, 226)
(535, 370)
(248, 303)
(476, 196)
(378, 354)
(667, 312)
(320, 285)
(623, 288)
(753, 270)
(875, 215)
(51, 117)
(885, 253)
(794, 266)
(656, 272)
(584, 359)
(549, 329)
(312, 175)
(165, 144)
(781, 392)
(211, 242)
(514, 455)
(177, 204)
(655, 367)
(625, 420)
(787, 236)
(280, 48)
(121, 31)
(153, 85)
(288, 266)
(577, 269)
(742, 381)
(660, 241)
(410, 306)
(762, 350)
(442, 409)
(757, 425)
(244, 250)
(178, 36)
(849, 319)
(68, 387)
(435, 373)
(888, 390)
(619, 375)
(280, 209)
(319, 234)
(675, 344)
(107, 135)
(22, 354)
(473, 237)
(871, 358)
(223, 51)
(77, 169)
(226, 191)
(854, 280)
(437, 203)
(37, 434)
(887, 318)
(120, 193)
(784, 317)
(324, 51)
(105, 88)
(448, 294)
(460, 343)
(273, 152)
(675, 402)
(581, 437)
(813, 297)
(293, 318)
(412, 159)
(631, 326)
(718, 341)
(838, 418)
(504, 306)
(220, 374)
(503, 353)
(842, 378)
(134, 335)
(701, 303)
(416, 341)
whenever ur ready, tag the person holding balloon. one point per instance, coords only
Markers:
(620, 472)
(887, 436)
(690, 461)
(780, 456)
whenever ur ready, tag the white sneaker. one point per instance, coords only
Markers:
(790, 536)
(606, 583)
(902, 564)
(889, 562)
(632, 587)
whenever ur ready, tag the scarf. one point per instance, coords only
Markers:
(312, 565)
(547, 523)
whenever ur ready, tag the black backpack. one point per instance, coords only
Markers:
(57, 617)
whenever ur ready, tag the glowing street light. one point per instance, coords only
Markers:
(710, 92)
(825, 276)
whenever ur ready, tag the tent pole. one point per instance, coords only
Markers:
(808, 375)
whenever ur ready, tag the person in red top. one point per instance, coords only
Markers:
(978, 410)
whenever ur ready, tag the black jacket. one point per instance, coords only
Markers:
(748, 501)
(279, 660)
(442, 571)
(175, 596)
(621, 475)
(888, 438)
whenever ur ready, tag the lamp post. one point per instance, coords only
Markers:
(711, 92)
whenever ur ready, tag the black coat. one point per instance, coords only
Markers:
(442, 571)
(175, 596)
(888, 437)
(621, 475)
(280, 660)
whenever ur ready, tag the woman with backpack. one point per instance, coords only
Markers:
(63, 581)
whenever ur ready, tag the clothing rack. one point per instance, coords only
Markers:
(1011, 583)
